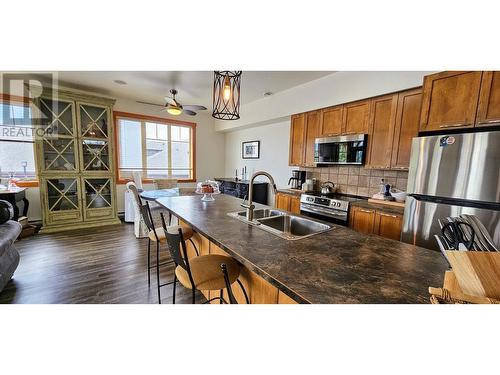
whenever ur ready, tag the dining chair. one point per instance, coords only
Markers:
(140, 228)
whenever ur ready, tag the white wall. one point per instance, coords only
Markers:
(273, 139)
(336, 88)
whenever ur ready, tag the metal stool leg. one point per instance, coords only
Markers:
(193, 301)
(149, 262)
(158, 270)
(173, 292)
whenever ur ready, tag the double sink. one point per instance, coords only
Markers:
(283, 224)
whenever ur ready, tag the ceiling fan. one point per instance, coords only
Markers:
(175, 108)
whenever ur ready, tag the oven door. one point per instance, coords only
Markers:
(340, 150)
(325, 214)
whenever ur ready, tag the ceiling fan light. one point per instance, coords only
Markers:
(176, 111)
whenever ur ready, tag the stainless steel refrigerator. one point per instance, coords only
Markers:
(452, 175)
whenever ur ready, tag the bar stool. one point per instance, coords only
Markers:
(158, 236)
(205, 272)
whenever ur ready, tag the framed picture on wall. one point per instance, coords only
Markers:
(250, 150)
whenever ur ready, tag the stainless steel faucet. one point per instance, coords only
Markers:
(250, 206)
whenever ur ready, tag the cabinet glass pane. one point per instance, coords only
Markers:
(57, 116)
(94, 121)
(59, 154)
(95, 155)
(62, 194)
(97, 192)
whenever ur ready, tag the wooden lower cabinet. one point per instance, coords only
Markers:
(362, 220)
(283, 299)
(288, 202)
(388, 225)
(372, 221)
(259, 291)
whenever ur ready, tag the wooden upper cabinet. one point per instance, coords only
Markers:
(406, 127)
(297, 138)
(488, 112)
(381, 134)
(312, 132)
(331, 121)
(356, 116)
(449, 100)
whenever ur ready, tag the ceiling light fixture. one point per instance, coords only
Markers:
(226, 95)
(173, 110)
(119, 82)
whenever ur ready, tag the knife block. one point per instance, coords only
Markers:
(477, 272)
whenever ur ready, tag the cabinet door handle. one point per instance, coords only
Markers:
(366, 211)
(452, 125)
(388, 215)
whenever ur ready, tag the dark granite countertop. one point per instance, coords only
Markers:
(296, 192)
(339, 266)
(379, 206)
(228, 179)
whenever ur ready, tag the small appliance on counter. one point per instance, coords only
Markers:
(297, 179)
(308, 185)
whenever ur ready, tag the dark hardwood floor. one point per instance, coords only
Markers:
(98, 265)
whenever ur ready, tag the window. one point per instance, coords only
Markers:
(160, 148)
(17, 154)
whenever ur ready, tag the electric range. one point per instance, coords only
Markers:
(331, 207)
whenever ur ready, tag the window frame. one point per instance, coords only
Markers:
(118, 115)
(7, 98)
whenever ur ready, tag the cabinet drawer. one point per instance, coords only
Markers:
(99, 213)
(64, 217)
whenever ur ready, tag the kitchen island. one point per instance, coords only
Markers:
(338, 266)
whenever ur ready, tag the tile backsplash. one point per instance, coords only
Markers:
(358, 180)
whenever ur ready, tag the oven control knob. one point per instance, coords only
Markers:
(338, 204)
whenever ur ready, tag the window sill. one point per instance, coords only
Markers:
(150, 181)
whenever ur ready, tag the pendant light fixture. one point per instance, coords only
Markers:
(226, 95)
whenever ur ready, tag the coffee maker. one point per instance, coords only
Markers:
(297, 179)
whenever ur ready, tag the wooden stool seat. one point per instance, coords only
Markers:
(187, 232)
(206, 272)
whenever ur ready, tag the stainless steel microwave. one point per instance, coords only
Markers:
(346, 149)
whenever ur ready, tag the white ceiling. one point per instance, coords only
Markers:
(194, 87)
